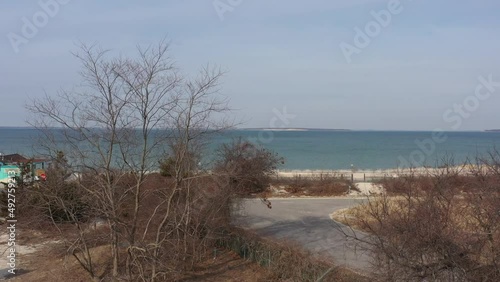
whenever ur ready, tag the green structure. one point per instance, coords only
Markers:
(26, 170)
(8, 173)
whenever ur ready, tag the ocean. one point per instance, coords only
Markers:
(330, 150)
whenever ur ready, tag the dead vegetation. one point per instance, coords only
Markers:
(137, 115)
(443, 227)
(49, 263)
(186, 238)
(320, 187)
(105, 144)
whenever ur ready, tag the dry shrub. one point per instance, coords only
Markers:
(247, 166)
(197, 216)
(401, 185)
(179, 221)
(193, 223)
(444, 227)
(324, 186)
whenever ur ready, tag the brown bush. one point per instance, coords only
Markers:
(443, 227)
(246, 166)
(324, 186)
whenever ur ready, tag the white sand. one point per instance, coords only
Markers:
(4, 252)
(360, 175)
(367, 188)
(20, 251)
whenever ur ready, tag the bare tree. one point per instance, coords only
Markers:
(93, 122)
(192, 120)
(112, 128)
(151, 80)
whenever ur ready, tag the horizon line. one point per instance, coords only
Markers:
(309, 129)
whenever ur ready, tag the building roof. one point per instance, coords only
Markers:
(16, 158)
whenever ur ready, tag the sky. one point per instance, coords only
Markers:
(357, 64)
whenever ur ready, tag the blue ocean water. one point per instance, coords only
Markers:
(329, 149)
(18, 140)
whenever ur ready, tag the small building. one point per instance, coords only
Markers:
(7, 172)
(33, 167)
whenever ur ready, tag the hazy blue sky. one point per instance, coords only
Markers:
(282, 53)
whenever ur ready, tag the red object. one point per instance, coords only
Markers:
(43, 176)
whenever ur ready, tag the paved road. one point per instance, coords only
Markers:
(307, 222)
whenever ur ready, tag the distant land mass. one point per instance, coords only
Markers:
(492, 130)
(295, 129)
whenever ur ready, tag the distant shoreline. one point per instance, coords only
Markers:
(303, 129)
(353, 130)
(291, 129)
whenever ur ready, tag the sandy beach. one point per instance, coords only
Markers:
(366, 175)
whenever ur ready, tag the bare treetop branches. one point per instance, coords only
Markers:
(114, 127)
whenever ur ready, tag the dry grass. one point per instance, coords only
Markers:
(363, 215)
(48, 264)
(226, 266)
(320, 187)
(463, 217)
